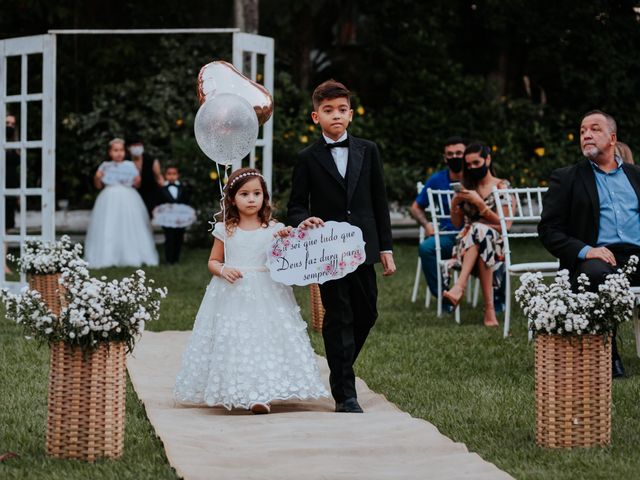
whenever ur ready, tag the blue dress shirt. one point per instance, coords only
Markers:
(619, 213)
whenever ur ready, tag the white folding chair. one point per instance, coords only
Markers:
(439, 201)
(524, 207)
(416, 283)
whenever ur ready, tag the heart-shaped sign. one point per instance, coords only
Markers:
(222, 77)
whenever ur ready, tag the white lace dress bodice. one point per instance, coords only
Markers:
(246, 248)
(249, 343)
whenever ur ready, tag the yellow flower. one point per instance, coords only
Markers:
(494, 148)
(259, 77)
(312, 128)
(360, 110)
(286, 135)
(539, 151)
(522, 181)
(179, 122)
(304, 139)
(213, 175)
(570, 137)
(543, 183)
(525, 170)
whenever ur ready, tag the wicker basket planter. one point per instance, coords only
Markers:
(86, 405)
(49, 287)
(573, 391)
(317, 309)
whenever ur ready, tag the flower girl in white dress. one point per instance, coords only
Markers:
(249, 344)
(119, 232)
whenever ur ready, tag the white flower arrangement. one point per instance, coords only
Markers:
(94, 311)
(556, 309)
(46, 258)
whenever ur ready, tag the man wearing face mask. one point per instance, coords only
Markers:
(591, 212)
(441, 180)
(151, 179)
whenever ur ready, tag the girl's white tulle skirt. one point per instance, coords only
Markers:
(249, 345)
(119, 231)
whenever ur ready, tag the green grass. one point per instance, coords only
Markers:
(474, 386)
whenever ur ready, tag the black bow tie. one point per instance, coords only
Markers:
(344, 143)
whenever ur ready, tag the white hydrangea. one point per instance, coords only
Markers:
(556, 309)
(95, 310)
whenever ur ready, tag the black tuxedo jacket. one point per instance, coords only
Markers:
(318, 190)
(166, 197)
(571, 210)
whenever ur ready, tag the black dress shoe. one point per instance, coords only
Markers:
(617, 369)
(349, 405)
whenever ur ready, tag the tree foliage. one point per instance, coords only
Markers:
(515, 74)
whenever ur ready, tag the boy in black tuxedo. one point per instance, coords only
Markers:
(340, 178)
(173, 192)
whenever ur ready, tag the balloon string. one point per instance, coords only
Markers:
(221, 183)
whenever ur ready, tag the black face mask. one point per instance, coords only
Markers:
(455, 164)
(10, 132)
(477, 174)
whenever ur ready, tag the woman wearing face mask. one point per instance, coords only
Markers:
(478, 248)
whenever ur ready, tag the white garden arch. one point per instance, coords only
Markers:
(28, 90)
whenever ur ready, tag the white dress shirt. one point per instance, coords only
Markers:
(341, 157)
(173, 189)
(340, 154)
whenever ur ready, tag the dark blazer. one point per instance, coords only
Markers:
(318, 190)
(166, 197)
(571, 210)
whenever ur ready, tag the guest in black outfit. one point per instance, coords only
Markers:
(151, 179)
(591, 212)
(12, 180)
(340, 178)
(173, 192)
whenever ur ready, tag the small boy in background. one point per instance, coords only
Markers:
(173, 192)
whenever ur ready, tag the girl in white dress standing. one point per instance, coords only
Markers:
(119, 231)
(249, 344)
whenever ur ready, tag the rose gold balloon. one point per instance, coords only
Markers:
(222, 77)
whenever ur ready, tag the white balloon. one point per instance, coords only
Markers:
(226, 128)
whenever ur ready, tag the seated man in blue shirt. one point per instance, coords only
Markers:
(441, 180)
(591, 215)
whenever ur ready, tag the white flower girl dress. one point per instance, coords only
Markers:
(249, 343)
(119, 232)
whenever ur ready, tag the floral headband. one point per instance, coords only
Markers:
(113, 141)
(243, 175)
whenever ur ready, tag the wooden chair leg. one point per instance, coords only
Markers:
(476, 292)
(440, 289)
(416, 283)
(507, 304)
(636, 324)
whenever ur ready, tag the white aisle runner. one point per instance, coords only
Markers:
(298, 440)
